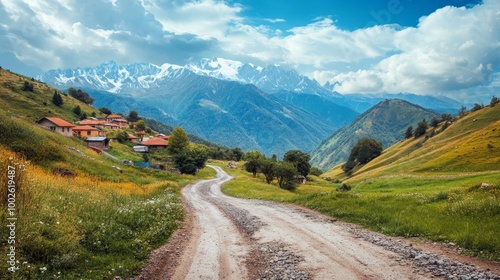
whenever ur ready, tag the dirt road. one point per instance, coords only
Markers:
(230, 238)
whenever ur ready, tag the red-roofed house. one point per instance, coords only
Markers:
(134, 138)
(93, 123)
(87, 131)
(155, 143)
(117, 119)
(57, 125)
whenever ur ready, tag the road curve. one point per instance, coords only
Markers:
(231, 238)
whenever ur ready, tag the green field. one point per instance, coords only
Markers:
(427, 187)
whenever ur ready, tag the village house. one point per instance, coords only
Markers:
(94, 123)
(57, 125)
(134, 138)
(117, 120)
(155, 143)
(87, 131)
(97, 142)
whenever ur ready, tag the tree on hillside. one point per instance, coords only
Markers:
(435, 122)
(105, 111)
(268, 168)
(189, 161)
(133, 116)
(121, 136)
(27, 86)
(77, 110)
(494, 100)
(81, 95)
(300, 160)
(363, 152)
(421, 128)
(140, 125)
(57, 99)
(477, 107)
(285, 172)
(178, 141)
(237, 154)
(409, 132)
(445, 117)
(463, 111)
(252, 161)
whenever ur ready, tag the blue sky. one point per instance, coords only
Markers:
(362, 46)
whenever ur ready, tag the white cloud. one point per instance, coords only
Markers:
(451, 49)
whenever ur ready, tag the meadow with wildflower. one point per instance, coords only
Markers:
(84, 227)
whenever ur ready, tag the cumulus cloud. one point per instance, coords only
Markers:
(451, 49)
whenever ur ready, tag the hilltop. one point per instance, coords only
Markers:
(385, 122)
(469, 144)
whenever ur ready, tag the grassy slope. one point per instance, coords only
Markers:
(431, 191)
(95, 225)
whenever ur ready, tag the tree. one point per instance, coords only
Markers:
(77, 110)
(409, 132)
(477, 107)
(300, 160)
(363, 152)
(237, 154)
(57, 99)
(121, 136)
(189, 161)
(133, 116)
(140, 125)
(178, 141)
(285, 173)
(421, 128)
(446, 117)
(315, 171)
(105, 111)
(434, 122)
(27, 86)
(494, 100)
(252, 161)
(462, 111)
(81, 95)
(268, 168)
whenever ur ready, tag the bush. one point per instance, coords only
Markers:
(27, 86)
(344, 188)
(363, 152)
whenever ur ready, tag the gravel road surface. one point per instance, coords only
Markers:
(231, 238)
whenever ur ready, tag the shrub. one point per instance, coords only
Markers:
(344, 188)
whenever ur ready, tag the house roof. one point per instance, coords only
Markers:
(121, 120)
(84, 128)
(95, 139)
(141, 132)
(114, 116)
(59, 122)
(92, 122)
(155, 141)
(130, 136)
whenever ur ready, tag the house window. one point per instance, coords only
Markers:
(88, 133)
(53, 128)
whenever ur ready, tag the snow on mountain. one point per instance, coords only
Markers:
(136, 77)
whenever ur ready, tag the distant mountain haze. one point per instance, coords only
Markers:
(229, 102)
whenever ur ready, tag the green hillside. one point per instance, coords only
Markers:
(80, 215)
(443, 186)
(385, 122)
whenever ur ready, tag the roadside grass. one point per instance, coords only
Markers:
(439, 207)
(88, 226)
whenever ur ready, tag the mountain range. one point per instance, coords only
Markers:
(271, 109)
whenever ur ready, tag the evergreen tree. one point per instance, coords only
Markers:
(57, 99)
(133, 116)
(421, 128)
(409, 132)
(434, 122)
(178, 141)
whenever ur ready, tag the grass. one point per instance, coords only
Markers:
(437, 208)
(95, 224)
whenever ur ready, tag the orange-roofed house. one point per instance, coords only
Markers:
(93, 123)
(117, 119)
(155, 143)
(134, 138)
(57, 125)
(87, 131)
